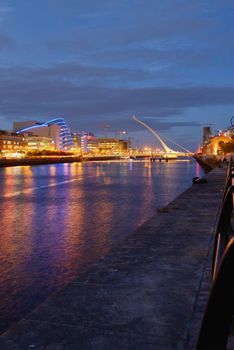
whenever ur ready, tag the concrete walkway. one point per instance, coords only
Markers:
(148, 293)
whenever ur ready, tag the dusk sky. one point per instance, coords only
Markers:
(97, 63)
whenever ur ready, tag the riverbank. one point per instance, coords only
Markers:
(69, 159)
(210, 162)
(38, 161)
(53, 160)
(148, 293)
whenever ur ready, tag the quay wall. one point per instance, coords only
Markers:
(149, 293)
(38, 161)
(208, 163)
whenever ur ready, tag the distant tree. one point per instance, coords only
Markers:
(37, 153)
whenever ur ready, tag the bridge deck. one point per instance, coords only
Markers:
(148, 293)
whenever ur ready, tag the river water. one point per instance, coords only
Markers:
(58, 219)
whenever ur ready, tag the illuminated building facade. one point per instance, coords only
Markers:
(76, 137)
(89, 143)
(40, 143)
(12, 145)
(112, 146)
(94, 145)
(56, 129)
(213, 146)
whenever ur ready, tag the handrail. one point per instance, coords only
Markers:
(229, 177)
(224, 229)
(220, 308)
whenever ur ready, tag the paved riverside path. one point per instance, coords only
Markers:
(148, 293)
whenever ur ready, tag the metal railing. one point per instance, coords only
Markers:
(224, 230)
(219, 312)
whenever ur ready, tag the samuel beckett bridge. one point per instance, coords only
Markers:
(167, 152)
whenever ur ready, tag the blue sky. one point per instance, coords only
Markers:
(97, 63)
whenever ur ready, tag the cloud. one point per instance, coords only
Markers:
(180, 42)
(32, 93)
(5, 10)
(118, 24)
(130, 125)
(5, 42)
(166, 61)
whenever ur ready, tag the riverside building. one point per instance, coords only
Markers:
(112, 146)
(40, 143)
(56, 129)
(12, 145)
(102, 146)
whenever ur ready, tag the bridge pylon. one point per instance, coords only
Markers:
(169, 153)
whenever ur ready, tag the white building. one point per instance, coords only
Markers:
(56, 129)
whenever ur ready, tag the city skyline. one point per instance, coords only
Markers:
(97, 64)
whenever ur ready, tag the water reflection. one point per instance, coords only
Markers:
(57, 219)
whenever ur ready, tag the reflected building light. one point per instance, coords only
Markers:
(98, 171)
(197, 170)
(149, 172)
(27, 169)
(8, 170)
(8, 182)
(52, 170)
(66, 168)
(76, 168)
(131, 165)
